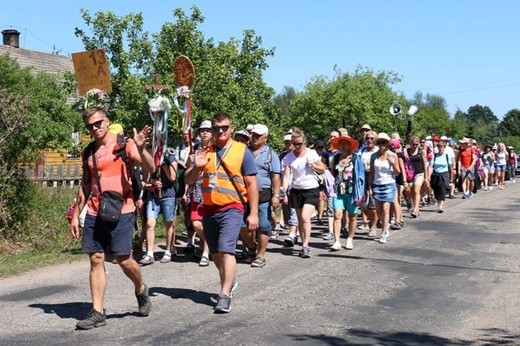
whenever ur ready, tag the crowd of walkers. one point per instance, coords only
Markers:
(238, 194)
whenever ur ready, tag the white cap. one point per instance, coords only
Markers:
(206, 124)
(260, 129)
(287, 138)
(444, 138)
(249, 127)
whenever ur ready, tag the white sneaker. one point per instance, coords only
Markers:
(372, 233)
(349, 245)
(336, 246)
(382, 240)
(490, 188)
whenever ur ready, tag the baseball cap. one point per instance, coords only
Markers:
(260, 129)
(366, 127)
(206, 124)
(243, 133)
(395, 143)
(287, 138)
(444, 138)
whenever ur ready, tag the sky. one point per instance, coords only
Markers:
(467, 51)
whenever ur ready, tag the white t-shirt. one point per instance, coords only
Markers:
(303, 176)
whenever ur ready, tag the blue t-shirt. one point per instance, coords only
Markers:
(265, 166)
(441, 163)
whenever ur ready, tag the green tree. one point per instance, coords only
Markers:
(510, 125)
(349, 101)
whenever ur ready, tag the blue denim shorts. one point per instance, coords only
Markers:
(264, 217)
(164, 206)
(99, 236)
(221, 230)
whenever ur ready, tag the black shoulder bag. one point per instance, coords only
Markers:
(111, 202)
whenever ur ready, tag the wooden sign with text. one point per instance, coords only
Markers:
(92, 71)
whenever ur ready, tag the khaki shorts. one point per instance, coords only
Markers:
(418, 179)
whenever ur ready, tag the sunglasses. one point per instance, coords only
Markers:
(382, 142)
(440, 146)
(297, 144)
(370, 138)
(222, 128)
(96, 124)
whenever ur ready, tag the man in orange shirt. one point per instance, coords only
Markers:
(467, 160)
(103, 173)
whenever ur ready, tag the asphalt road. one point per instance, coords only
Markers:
(445, 279)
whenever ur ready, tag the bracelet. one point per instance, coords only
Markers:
(277, 196)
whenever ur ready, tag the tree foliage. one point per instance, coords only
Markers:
(349, 100)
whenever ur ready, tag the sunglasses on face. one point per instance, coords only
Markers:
(297, 144)
(370, 138)
(96, 124)
(222, 128)
(382, 142)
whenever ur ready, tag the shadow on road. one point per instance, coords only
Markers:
(493, 336)
(76, 310)
(198, 297)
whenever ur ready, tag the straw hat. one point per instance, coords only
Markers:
(335, 142)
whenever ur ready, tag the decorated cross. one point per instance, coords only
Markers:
(184, 75)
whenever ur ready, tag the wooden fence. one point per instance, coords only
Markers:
(54, 168)
(55, 175)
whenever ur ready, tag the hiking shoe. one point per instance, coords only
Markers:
(336, 246)
(305, 252)
(372, 233)
(190, 248)
(349, 245)
(144, 302)
(204, 261)
(94, 319)
(166, 258)
(290, 241)
(223, 304)
(259, 262)
(146, 260)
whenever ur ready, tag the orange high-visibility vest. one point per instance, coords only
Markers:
(217, 189)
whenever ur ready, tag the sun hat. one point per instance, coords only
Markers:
(365, 127)
(382, 135)
(335, 142)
